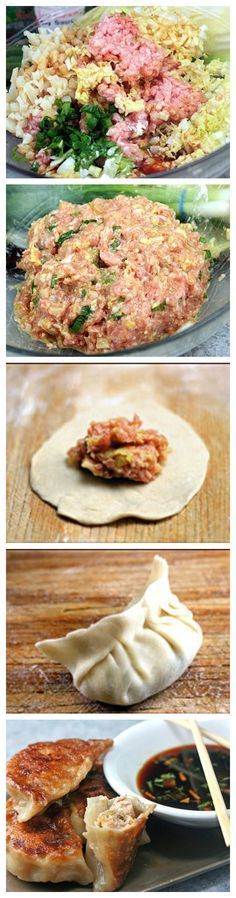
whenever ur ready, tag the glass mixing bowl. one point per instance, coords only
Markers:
(214, 165)
(24, 207)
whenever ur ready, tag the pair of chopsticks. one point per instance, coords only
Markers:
(214, 737)
(212, 782)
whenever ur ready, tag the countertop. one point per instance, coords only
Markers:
(20, 733)
(216, 346)
(52, 592)
(41, 397)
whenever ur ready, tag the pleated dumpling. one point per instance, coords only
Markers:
(124, 658)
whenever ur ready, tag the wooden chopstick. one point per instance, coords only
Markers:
(219, 740)
(213, 785)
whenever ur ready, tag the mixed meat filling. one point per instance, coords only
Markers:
(120, 448)
(119, 814)
(110, 275)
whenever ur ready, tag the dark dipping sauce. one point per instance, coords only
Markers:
(176, 778)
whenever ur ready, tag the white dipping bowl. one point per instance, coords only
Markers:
(135, 745)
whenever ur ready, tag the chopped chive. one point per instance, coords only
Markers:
(80, 319)
(117, 315)
(115, 244)
(158, 307)
(53, 280)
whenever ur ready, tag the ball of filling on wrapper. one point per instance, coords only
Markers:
(120, 448)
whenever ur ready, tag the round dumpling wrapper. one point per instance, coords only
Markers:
(78, 495)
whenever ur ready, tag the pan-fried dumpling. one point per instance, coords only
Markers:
(113, 833)
(45, 771)
(46, 848)
(126, 657)
(94, 784)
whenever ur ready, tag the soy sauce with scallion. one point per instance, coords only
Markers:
(176, 778)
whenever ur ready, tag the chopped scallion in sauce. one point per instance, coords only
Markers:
(176, 778)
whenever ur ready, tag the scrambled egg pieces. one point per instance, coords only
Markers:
(90, 76)
(129, 103)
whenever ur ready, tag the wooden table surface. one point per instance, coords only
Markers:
(41, 397)
(53, 591)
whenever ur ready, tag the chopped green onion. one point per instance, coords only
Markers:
(107, 277)
(53, 280)
(88, 220)
(79, 321)
(158, 307)
(66, 236)
(83, 293)
(115, 244)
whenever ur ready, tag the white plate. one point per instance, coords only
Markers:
(134, 746)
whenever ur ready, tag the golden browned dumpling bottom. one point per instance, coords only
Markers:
(45, 771)
(46, 848)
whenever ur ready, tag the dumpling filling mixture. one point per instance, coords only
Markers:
(130, 94)
(120, 448)
(120, 812)
(110, 275)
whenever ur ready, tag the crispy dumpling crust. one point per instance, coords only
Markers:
(46, 771)
(46, 848)
(94, 784)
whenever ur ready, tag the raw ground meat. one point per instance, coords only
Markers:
(126, 129)
(166, 99)
(120, 448)
(172, 100)
(117, 39)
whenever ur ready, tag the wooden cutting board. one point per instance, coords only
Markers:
(41, 397)
(51, 592)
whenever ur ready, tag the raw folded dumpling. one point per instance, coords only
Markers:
(113, 833)
(126, 657)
